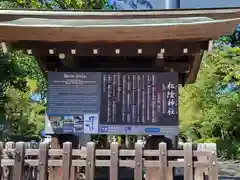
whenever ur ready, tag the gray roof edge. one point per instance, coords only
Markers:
(107, 13)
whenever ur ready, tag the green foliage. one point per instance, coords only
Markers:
(20, 76)
(232, 40)
(19, 116)
(30, 70)
(24, 118)
(205, 114)
(54, 4)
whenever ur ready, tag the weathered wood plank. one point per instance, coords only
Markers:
(119, 33)
(198, 174)
(216, 13)
(109, 49)
(43, 162)
(163, 160)
(67, 160)
(1, 155)
(213, 166)
(188, 161)
(106, 163)
(114, 162)
(90, 161)
(163, 167)
(19, 161)
(107, 152)
(54, 172)
(138, 161)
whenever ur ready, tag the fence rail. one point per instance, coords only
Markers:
(157, 163)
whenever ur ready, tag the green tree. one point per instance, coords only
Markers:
(54, 4)
(20, 75)
(206, 111)
(24, 118)
(18, 114)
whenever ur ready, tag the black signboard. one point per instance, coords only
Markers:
(113, 102)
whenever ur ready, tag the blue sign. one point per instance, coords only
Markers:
(152, 130)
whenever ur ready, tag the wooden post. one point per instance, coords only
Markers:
(163, 160)
(90, 161)
(19, 161)
(67, 160)
(213, 166)
(75, 145)
(199, 172)
(8, 170)
(152, 173)
(43, 161)
(212, 170)
(1, 155)
(138, 174)
(114, 162)
(188, 161)
(53, 171)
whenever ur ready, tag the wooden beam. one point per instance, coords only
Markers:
(103, 33)
(181, 67)
(54, 171)
(195, 66)
(131, 49)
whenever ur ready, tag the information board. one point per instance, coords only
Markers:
(112, 102)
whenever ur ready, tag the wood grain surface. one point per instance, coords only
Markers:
(215, 13)
(105, 33)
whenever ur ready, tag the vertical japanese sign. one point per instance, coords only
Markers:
(114, 102)
(171, 98)
(138, 103)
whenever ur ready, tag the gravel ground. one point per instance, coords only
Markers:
(229, 168)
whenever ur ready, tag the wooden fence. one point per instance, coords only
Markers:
(161, 161)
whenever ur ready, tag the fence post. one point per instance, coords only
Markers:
(19, 161)
(188, 161)
(53, 170)
(90, 161)
(114, 162)
(43, 162)
(1, 154)
(67, 160)
(138, 174)
(213, 166)
(212, 170)
(163, 160)
(8, 170)
(199, 172)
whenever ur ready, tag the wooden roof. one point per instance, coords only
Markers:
(145, 26)
(81, 41)
(101, 30)
(215, 13)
